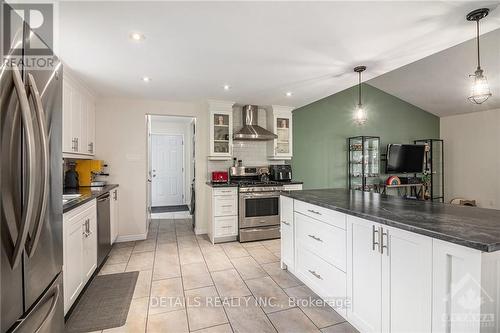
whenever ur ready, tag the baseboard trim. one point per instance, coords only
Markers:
(200, 231)
(130, 238)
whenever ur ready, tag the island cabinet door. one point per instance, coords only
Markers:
(287, 233)
(406, 281)
(364, 275)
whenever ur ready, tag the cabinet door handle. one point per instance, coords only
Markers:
(285, 222)
(375, 240)
(316, 238)
(314, 212)
(91, 148)
(384, 245)
(316, 275)
(227, 206)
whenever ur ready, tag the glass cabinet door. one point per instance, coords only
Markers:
(364, 166)
(283, 132)
(221, 133)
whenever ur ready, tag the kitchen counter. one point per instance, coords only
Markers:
(473, 227)
(87, 194)
(290, 182)
(221, 184)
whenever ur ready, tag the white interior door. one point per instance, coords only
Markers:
(167, 170)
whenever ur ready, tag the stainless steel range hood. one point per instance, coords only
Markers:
(251, 130)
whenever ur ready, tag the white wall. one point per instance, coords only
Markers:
(181, 126)
(121, 141)
(472, 157)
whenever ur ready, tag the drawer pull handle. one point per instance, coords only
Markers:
(285, 222)
(227, 205)
(226, 226)
(316, 275)
(314, 212)
(316, 238)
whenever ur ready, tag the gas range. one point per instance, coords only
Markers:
(258, 203)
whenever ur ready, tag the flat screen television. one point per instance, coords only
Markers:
(403, 158)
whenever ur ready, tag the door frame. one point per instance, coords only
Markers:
(183, 164)
(147, 174)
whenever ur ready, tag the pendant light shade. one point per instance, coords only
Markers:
(360, 115)
(480, 90)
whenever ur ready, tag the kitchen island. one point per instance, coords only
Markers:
(393, 265)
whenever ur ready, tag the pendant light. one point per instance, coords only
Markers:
(359, 112)
(480, 91)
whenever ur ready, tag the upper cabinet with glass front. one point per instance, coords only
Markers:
(279, 121)
(221, 129)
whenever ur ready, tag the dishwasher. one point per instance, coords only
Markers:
(103, 228)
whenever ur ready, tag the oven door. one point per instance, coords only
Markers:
(259, 209)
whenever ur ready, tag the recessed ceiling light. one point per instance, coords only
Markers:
(289, 94)
(137, 36)
(146, 79)
(227, 87)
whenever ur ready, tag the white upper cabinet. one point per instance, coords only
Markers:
(221, 130)
(78, 119)
(279, 121)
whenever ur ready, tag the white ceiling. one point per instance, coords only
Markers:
(440, 83)
(261, 49)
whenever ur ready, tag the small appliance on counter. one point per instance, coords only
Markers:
(280, 173)
(71, 177)
(220, 177)
(89, 171)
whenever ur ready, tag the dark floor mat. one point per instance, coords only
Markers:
(169, 209)
(104, 304)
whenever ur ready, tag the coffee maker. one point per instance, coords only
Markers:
(281, 173)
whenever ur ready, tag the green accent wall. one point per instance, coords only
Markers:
(321, 129)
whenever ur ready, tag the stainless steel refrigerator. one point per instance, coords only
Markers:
(31, 191)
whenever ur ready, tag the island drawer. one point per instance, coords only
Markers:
(326, 215)
(324, 279)
(324, 240)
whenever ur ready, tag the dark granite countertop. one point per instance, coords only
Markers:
(473, 227)
(88, 193)
(291, 182)
(221, 184)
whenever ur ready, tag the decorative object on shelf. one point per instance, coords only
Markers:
(360, 112)
(433, 176)
(480, 89)
(393, 180)
(363, 163)
(463, 202)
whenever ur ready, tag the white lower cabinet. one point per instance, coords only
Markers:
(223, 214)
(79, 250)
(389, 278)
(364, 275)
(393, 280)
(406, 282)
(287, 233)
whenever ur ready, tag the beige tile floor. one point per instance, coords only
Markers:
(183, 276)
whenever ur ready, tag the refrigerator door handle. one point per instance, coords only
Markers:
(30, 181)
(32, 242)
(52, 309)
(26, 325)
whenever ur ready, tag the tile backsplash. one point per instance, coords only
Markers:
(253, 153)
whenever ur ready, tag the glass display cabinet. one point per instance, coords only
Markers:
(221, 130)
(279, 121)
(434, 168)
(364, 163)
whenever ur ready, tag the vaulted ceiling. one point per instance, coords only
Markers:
(262, 50)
